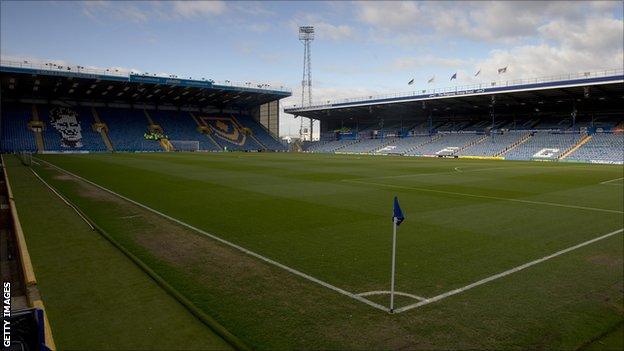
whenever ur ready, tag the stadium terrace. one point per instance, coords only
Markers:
(574, 117)
(52, 108)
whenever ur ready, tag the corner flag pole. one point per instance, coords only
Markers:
(397, 219)
(394, 230)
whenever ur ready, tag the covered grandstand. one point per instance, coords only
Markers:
(53, 108)
(574, 117)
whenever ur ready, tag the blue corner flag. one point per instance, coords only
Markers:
(398, 213)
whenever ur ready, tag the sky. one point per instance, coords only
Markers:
(361, 48)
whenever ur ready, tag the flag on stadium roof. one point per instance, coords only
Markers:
(478, 72)
(502, 70)
(454, 76)
(410, 82)
(398, 213)
(431, 79)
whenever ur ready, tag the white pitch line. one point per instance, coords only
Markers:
(456, 170)
(505, 273)
(223, 241)
(128, 217)
(543, 203)
(460, 170)
(385, 292)
(62, 199)
(608, 182)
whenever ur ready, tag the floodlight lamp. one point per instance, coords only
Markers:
(306, 33)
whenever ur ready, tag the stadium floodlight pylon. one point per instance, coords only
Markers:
(306, 35)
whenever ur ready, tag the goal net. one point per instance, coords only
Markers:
(185, 145)
(25, 158)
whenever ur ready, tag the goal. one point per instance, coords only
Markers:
(185, 145)
(25, 157)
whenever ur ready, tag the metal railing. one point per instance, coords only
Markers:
(115, 72)
(460, 88)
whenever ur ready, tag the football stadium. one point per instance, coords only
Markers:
(143, 211)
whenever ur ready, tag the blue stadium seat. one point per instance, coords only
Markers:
(261, 134)
(15, 134)
(126, 128)
(544, 145)
(602, 147)
(179, 125)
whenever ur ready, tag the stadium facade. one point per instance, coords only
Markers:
(574, 117)
(54, 108)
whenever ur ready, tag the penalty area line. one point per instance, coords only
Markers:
(228, 243)
(505, 273)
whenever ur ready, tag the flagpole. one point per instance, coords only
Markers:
(394, 229)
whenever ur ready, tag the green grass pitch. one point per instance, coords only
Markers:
(329, 216)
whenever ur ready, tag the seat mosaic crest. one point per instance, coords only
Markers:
(225, 128)
(65, 121)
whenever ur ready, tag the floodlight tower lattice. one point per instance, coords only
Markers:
(306, 35)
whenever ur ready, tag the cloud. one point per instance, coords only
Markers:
(194, 9)
(90, 8)
(390, 14)
(32, 60)
(141, 12)
(26, 59)
(493, 21)
(98, 10)
(410, 63)
(333, 32)
(601, 34)
(259, 27)
(253, 8)
(245, 47)
(322, 28)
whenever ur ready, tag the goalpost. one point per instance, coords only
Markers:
(25, 157)
(185, 145)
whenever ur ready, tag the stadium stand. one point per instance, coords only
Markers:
(330, 146)
(16, 135)
(69, 128)
(133, 112)
(544, 145)
(261, 134)
(229, 133)
(494, 144)
(153, 116)
(179, 125)
(126, 129)
(447, 144)
(367, 145)
(403, 145)
(601, 147)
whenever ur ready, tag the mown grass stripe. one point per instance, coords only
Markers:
(197, 312)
